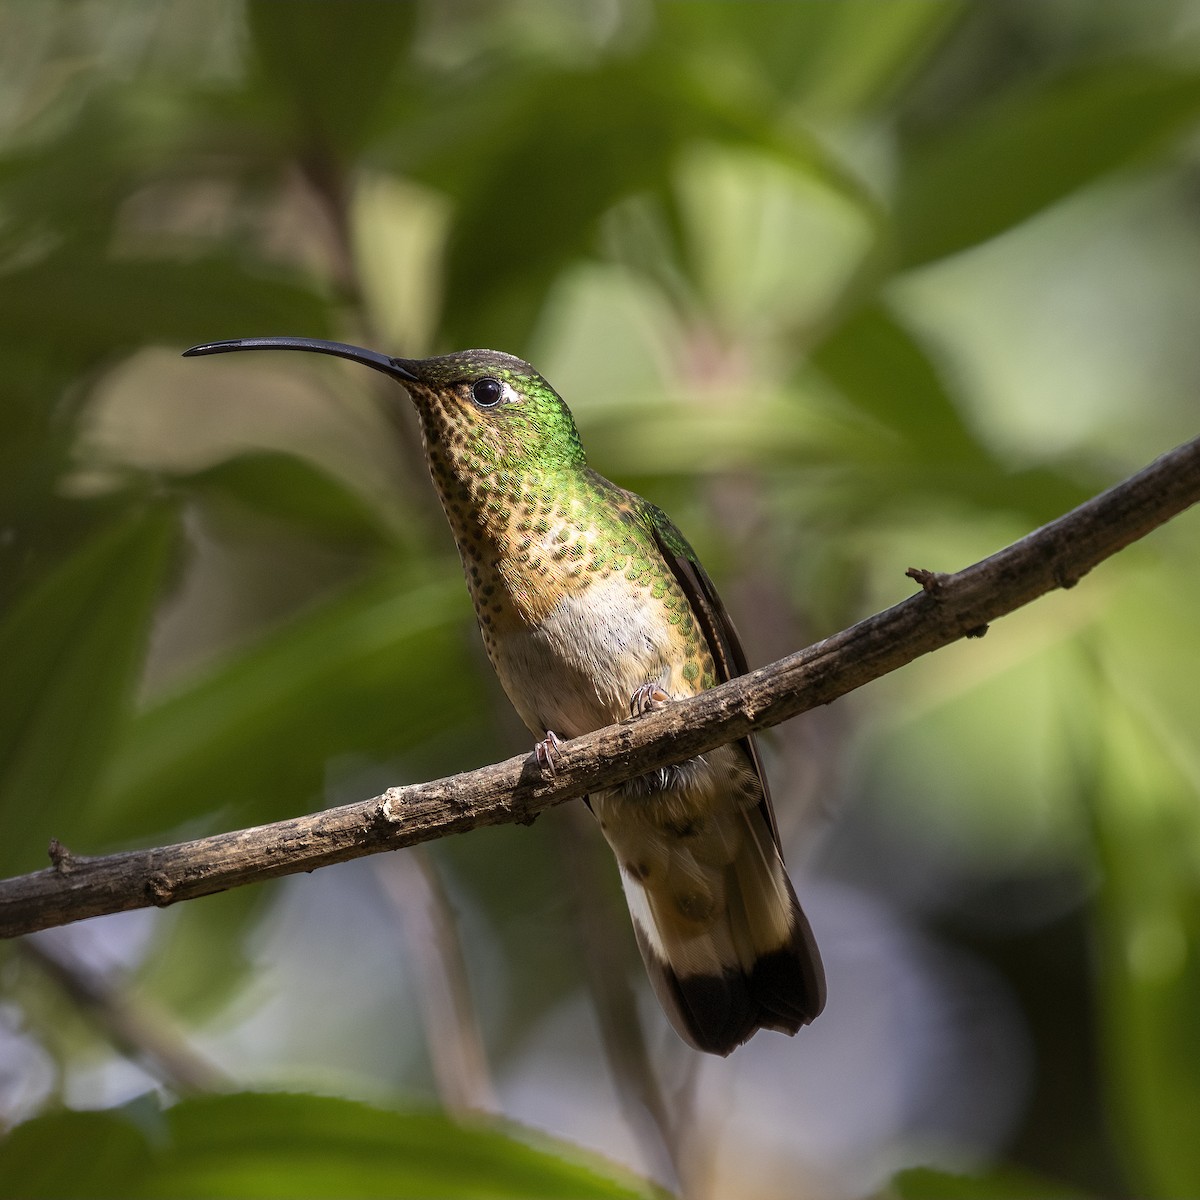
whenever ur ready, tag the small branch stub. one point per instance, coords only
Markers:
(61, 858)
(931, 581)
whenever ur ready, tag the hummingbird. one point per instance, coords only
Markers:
(594, 608)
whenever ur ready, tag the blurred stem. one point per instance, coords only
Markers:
(452, 1034)
(324, 180)
(605, 967)
(139, 1029)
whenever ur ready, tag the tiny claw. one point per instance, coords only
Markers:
(648, 698)
(546, 751)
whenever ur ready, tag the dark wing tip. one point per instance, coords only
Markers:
(789, 983)
(789, 987)
(716, 1013)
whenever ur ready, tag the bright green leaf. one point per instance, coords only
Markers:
(92, 1154)
(274, 1145)
(838, 57)
(869, 48)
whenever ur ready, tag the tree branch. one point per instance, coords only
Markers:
(137, 1028)
(948, 607)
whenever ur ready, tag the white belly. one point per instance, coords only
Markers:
(578, 670)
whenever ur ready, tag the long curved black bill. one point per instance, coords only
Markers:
(397, 368)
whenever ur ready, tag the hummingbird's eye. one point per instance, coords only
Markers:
(487, 392)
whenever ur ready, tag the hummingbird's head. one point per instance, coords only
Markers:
(484, 409)
(480, 410)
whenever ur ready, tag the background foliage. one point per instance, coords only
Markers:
(846, 288)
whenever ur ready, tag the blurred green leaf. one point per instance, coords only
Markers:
(274, 1145)
(332, 63)
(296, 490)
(880, 367)
(869, 49)
(73, 1154)
(72, 649)
(554, 156)
(374, 671)
(885, 372)
(86, 308)
(1146, 812)
(996, 168)
(838, 57)
(924, 1183)
(70, 184)
(537, 161)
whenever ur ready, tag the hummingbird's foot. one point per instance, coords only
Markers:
(546, 751)
(648, 698)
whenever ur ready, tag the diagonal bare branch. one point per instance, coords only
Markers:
(947, 608)
(136, 1026)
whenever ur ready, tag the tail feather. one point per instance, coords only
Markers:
(714, 1013)
(745, 960)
